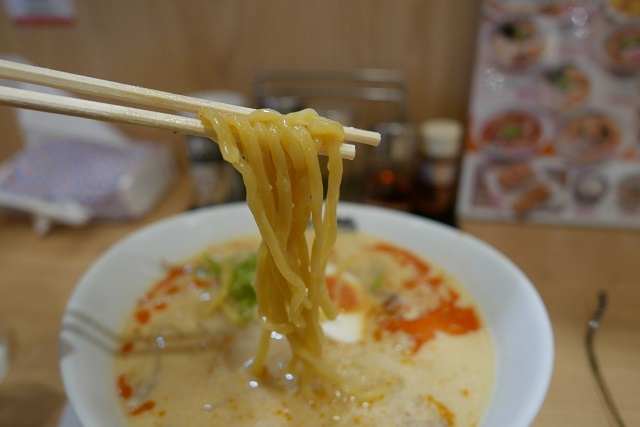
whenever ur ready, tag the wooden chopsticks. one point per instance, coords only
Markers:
(128, 93)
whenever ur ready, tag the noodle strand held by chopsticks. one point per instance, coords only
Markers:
(277, 156)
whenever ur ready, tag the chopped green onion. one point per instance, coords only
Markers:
(521, 33)
(630, 43)
(242, 297)
(510, 131)
(377, 283)
(208, 267)
(559, 78)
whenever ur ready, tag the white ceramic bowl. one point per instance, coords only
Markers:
(512, 308)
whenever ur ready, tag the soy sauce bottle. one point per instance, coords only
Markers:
(389, 179)
(438, 168)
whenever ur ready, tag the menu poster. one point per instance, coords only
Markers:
(554, 118)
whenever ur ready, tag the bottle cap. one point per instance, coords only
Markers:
(441, 138)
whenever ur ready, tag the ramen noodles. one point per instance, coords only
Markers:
(277, 156)
(563, 87)
(517, 44)
(408, 342)
(590, 137)
(511, 134)
(622, 49)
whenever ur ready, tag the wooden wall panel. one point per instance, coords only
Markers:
(184, 46)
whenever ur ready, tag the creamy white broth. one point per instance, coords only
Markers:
(182, 363)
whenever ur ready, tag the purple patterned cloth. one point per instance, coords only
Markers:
(75, 171)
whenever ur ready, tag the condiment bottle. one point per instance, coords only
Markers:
(437, 175)
(389, 181)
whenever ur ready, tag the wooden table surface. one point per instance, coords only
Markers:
(568, 267)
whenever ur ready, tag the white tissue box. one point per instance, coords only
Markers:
(74, 181)
(143, 187)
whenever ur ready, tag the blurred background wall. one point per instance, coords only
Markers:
(187, 46)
